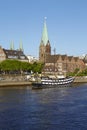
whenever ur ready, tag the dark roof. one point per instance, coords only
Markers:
(70, 58)
(51, 58)
(54, 58)
(15, 54)
(76, 58)
(63, 57)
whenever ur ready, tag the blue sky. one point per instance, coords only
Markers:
(22, 20)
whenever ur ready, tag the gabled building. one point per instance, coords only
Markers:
(2, 54)
(57, 62)
(12, 54)
(63, 63)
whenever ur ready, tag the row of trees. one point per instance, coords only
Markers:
(15, 66)
(9, 66)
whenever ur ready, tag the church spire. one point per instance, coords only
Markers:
(44, 48)
(44, 38)
(21, 46)
(12, 45)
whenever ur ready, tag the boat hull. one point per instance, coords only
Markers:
(45, 83)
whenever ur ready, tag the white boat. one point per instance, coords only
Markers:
(46, 82)
(54, 80)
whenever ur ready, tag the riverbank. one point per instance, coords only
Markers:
(81, 79)
(12, 83)
(22, 82)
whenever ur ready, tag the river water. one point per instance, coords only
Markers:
(22, 108)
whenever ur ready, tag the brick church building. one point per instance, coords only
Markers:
(56, 62)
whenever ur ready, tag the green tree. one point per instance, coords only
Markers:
(37, 67)
(15, 65)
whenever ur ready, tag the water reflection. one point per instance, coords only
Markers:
(22, 108)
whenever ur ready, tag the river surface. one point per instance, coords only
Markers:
(22, 108)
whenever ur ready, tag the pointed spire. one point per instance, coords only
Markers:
(21, 46)
(44, 33)
(12, 45)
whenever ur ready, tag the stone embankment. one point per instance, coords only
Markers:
(14, 81)
(23, 81)
(81, 79)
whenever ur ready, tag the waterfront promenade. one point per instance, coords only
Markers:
(12, 83)
(81, 79)
(22, 81)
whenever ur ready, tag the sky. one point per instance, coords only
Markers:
(22, 21)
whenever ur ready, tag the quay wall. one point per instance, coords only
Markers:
(12, 83)
(22, 81)
(80, 79)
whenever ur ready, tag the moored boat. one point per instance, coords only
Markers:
(46, 82)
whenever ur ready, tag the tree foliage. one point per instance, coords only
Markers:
(37, 67)
(77, 72)
(15, 65)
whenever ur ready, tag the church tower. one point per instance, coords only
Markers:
(44, 48)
